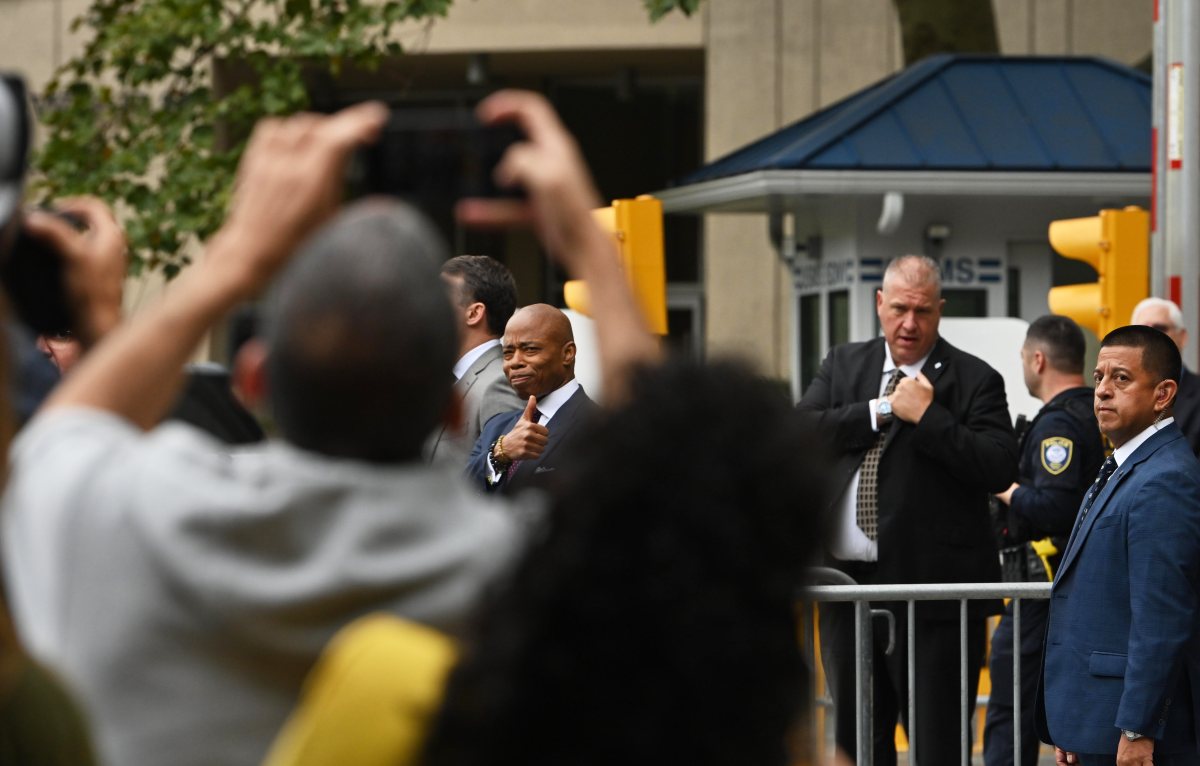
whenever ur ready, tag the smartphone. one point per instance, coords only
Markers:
(433, 156)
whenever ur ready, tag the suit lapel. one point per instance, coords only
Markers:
(867, 377)
(1142, 453)
(1080, 534)
(937, 363)
(478, 366)
(560, 424)
(468, 380)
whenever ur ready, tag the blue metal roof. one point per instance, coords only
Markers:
(970, 112)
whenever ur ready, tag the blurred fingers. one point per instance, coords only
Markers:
(493, 213)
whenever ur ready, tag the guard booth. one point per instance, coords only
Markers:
(965, 158)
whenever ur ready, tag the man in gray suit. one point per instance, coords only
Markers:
(484, 296)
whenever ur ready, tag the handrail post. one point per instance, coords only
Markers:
(911, 729)
(965, 733)
(1016, 690)
(864, 692)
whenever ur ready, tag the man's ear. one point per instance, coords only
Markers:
(1039, 361)
(1164, 394)
(476, 314)
(250, 374)
(569, 353)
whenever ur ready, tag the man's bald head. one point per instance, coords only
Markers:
(550, 320)
(539, 350)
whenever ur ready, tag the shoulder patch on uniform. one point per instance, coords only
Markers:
(1056, 454)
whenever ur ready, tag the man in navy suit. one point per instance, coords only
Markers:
(520, 449)
(1121, 672)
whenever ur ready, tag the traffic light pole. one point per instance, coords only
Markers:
(1175, 262)
(1158, 145)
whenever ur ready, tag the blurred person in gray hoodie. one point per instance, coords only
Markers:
(183, 587)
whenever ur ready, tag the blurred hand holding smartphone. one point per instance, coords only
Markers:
(433, 157)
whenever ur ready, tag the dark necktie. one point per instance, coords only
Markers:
(1106, 470)
(512, 467)
(867, 508)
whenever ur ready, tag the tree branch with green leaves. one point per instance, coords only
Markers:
(136, 119)
(139, 117)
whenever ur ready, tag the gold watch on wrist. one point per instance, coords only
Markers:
(496, 455)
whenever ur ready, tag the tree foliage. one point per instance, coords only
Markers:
(136, 119)
(659, 8)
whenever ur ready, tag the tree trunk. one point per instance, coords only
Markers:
(946, 26)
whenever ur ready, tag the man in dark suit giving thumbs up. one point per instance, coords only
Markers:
(519, 449)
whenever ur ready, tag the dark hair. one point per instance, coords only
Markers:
(361, 338)
(488, 281)
(655, 620)
(1061, 341)
(1160, 355)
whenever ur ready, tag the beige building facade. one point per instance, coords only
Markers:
(742, 68)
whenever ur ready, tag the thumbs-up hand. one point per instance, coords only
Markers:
(527, 439)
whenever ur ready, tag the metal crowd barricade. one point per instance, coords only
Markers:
(844, 589)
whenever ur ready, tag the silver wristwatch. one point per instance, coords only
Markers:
(1131, 735)
(883, 412)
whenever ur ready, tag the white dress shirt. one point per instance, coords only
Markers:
(1122, 453)
(849, 543)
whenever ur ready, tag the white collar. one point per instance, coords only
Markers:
(466, 360)
(910, 370)
(1122, 453)
(549, 404)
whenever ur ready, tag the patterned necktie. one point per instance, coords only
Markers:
(867, 512)
(512, 467)
(1106, 470)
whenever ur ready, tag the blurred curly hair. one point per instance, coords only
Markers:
(654, 620)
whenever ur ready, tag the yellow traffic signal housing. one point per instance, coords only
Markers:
(1116, 243)
(637, 226)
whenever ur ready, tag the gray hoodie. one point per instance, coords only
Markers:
(184, 590)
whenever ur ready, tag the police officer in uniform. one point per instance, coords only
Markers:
(1061, 453)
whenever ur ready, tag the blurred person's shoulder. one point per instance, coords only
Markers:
(66, 429)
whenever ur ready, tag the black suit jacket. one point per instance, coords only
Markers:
(934, 476)
(540, 472)
(1187, 409)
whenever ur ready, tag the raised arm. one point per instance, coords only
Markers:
(289, 182)
(561, 194)
(846, 424)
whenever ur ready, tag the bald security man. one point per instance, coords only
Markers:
(520, 449)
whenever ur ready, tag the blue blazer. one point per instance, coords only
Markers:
(530, 473)
(1122, 647)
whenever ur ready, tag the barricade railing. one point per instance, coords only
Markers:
(845, 590)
